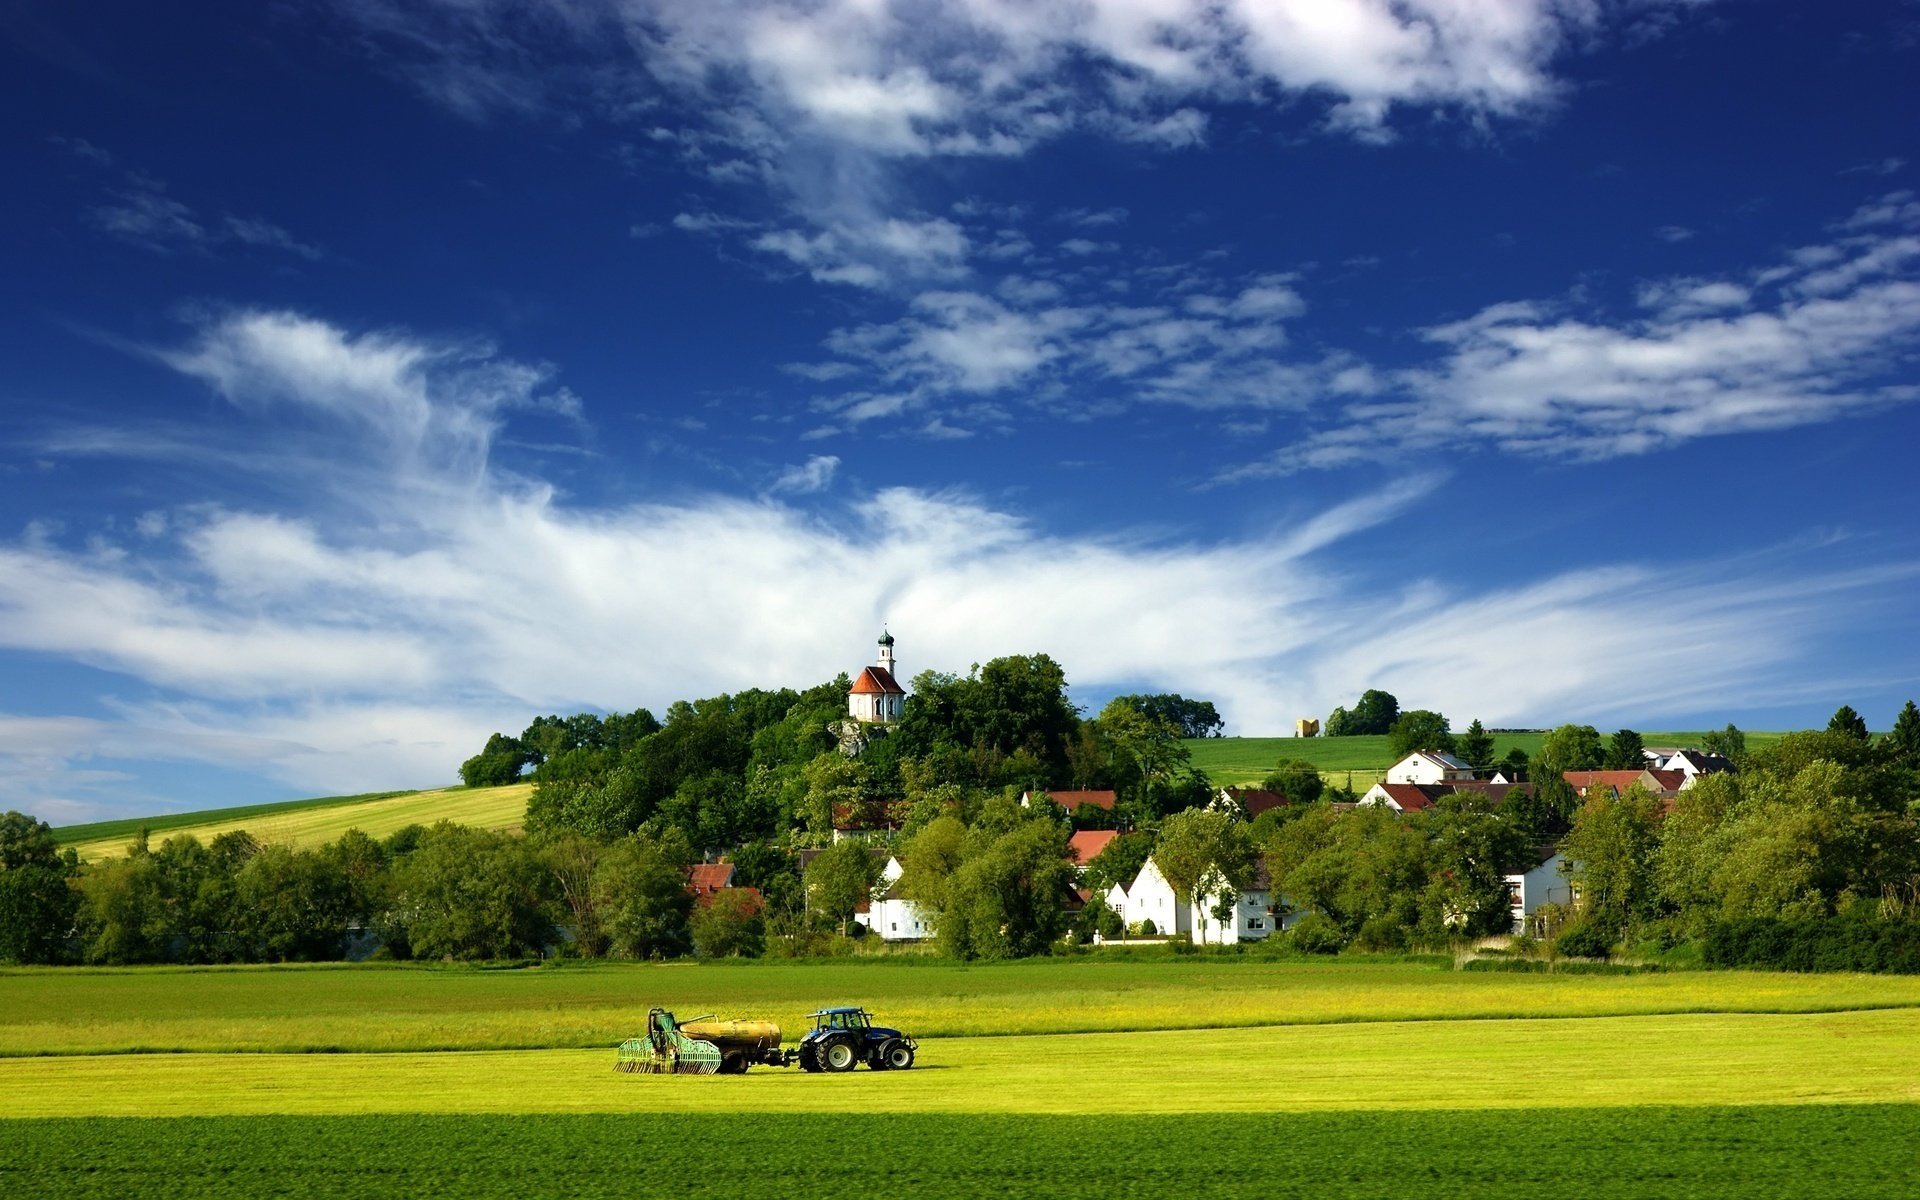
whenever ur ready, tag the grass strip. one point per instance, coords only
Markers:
(1698, 1153)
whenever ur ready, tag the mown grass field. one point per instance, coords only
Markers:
(309, 823)
(1353, 1077)
(1243, 760)
(343, 1008)
(1706, 1153)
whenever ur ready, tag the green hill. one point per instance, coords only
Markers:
(310, 822)
(1231, 761)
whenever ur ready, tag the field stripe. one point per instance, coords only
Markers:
(1595, 1062)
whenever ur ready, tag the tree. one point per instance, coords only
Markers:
(1726, 742)
(1374, 714)
(1903, 743)
(1419, 729)
(1626, 751)
(1611, 849)
(473, 894)
(1848, 722)
(640, 891)
(501, 762)
(1467, 852)
(1150, 746)
(1476, 746)
(1007, 900)
(929, 860)
(1197, 842)
(1296, 779)
(1569, 748)
(840, 879)
(1339, 723)
(1193, 718)
(37, 902)
(295, 905)
(728, 925)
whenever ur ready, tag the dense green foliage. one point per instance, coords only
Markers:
(1701, 1153)
(1812, 944)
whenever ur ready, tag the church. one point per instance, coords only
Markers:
(876, 696)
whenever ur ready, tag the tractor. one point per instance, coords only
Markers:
(843, 1038)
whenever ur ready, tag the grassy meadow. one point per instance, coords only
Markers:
(314, 822)
(1243, 760)
(335, 1008)
(1133, 1075)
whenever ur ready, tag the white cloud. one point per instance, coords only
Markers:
(349, 649)
(814, 475)
(143, 215)
(1817, 337)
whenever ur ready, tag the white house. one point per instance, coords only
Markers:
(1150, 898)
(891, 915)
(1545, 882)
(876, 697)
(1403, 797)
(1428, 767)
(1251, 919)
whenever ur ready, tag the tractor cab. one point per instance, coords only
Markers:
(853, 1019)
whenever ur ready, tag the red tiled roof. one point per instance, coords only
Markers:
(1412, 797)
(1083, 846)
(1669, 781)
(877, 680)
(1257, 800)
(1619, 781)
(1073, 800)
(707, 878)
(755, 901)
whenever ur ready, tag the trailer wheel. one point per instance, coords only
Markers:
(839, 1056)
(896, 1056)
(733, 1064)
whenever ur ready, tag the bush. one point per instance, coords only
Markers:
(1584, 940)
(1816, 944)
(1381, 932)
(1316, 933)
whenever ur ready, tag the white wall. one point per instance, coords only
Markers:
(1545, 884)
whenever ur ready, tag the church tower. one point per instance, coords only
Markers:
(876, 696)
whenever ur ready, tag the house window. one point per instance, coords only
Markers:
(1256, 923)
(893, 927)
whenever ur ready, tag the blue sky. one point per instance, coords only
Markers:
(376, 375)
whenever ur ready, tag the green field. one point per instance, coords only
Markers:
(1701, 1152)
(311, 822)
(335, 1008)
(1129, 1075)
(1242, 760)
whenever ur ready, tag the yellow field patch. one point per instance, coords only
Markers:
(484, 808)
(1598, 1062)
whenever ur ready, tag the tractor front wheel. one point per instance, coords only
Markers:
(839, 1056)
(897, 1056)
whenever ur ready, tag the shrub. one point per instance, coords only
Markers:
(1316, 933)
(1584, 940)
(1381, 932)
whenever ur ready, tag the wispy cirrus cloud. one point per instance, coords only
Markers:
(339, 646)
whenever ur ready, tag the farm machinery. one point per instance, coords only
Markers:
(840, 1040)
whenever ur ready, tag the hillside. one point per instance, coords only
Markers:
(311, 822)
(1230, 761)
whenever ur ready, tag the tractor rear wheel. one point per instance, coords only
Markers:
(839, 1056)
(895, 1056)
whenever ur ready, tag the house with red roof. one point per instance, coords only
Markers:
(1663, 784)
(1084, 846)
(1247, 803)
(704, 879)
(1404, 797)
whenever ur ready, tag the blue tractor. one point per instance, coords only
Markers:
(843, 1038)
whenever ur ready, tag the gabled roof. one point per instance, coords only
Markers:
(1071, 800)
(876, 681)
(1445, 760)
(1254, 801)
(1412, 797)
(1083, 846)
(1669, 781)
(755, 901)
(1702, 762)
(1618, 781)
(706, 878)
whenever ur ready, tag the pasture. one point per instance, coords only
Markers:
(1139, 1074)
(1245, 760)
(315, 822)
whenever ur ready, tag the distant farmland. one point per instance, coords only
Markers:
(1243, 760)
(312, 822)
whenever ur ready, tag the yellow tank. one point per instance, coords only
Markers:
(735, 1036)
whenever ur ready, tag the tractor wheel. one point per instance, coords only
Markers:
(839, 1056)
(809, 1058)
(895, 1056)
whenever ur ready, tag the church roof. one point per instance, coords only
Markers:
(877, 680)
(886, 639)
